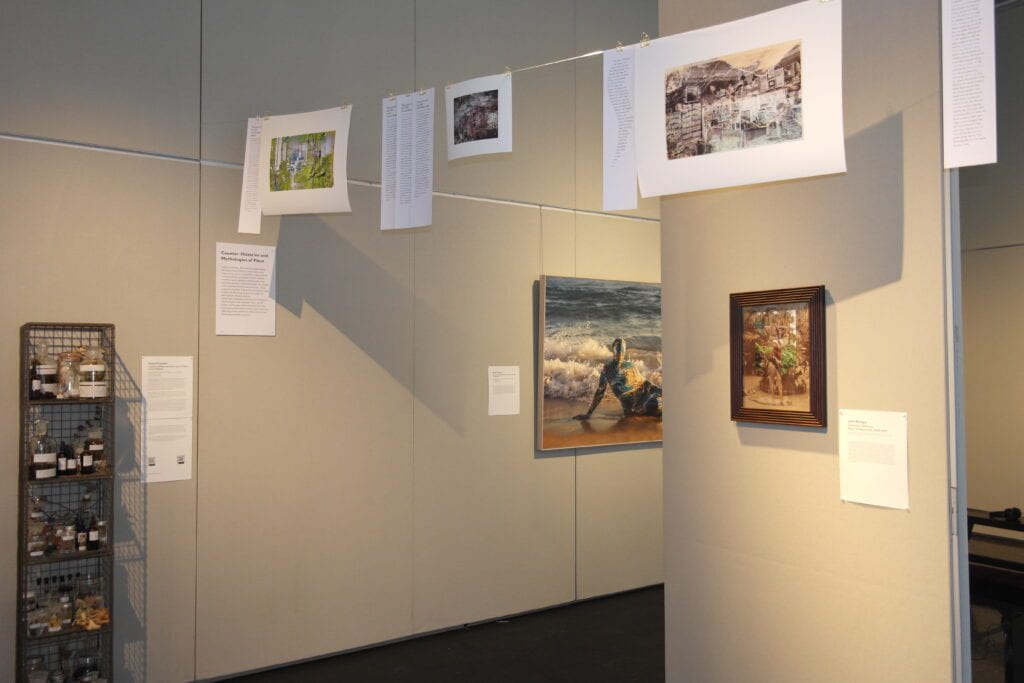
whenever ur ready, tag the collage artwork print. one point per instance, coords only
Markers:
(302, 162)
(601, 363)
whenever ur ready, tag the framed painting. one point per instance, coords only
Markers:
(777, 356)
(599, 363)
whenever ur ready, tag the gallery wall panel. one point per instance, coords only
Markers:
(759, 547)
(306, 489)
(493, 520)
(117, 245)
(618, 489)
(114, 72)
(281, 58)
(457, 40)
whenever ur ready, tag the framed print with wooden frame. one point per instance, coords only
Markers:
(777, 356)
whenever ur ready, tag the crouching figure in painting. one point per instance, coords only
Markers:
(636, 395)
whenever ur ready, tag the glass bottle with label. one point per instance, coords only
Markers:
(44, 453)
(95, 448)
(92, 374)
(36, 526)
(67, 374)
(46, 370)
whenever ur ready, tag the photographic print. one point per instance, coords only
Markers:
(599, 363)
(777, 356)
(476, 116)
(752, 101)
(745, 99)
(302, 162)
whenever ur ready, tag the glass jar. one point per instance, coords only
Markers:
(67, 544)
(35, 669)
(92, 374)
(37, 527)
(44, 452)
(36, 621)
(46, 371)
(67, 374)
(87, 666)
(95, 450)
(101, 527)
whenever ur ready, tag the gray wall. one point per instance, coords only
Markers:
(349, 486)
(992, 225)
(769, 577)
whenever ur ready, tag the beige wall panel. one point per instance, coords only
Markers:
(116, 243)
(558, 243)
(493, 520)
(305, 485)
(114, 72)
(993, 376)
(618, 490)
(992, 196)
(457, 40)
(283, 58)
(602, 24)
(758, 545)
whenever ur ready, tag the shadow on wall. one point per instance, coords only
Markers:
(129, 533)
(318, 265)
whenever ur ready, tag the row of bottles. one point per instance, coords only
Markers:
(64, 533)
(81, 374)
(58, 603)
(75, 666)
(85, 455)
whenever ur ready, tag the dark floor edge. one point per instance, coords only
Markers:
(426, 634)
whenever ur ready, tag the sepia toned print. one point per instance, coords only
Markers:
(737, 101)
(476, 116)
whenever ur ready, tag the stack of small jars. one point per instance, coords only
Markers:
(77, 374)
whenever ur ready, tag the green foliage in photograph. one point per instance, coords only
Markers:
(302, 162)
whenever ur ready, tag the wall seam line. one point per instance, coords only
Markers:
(199, 334)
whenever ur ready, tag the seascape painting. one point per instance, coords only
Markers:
(599, 363)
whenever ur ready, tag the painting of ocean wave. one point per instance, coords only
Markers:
(600, 363)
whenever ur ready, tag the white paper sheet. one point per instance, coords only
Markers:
(168, 450)
(873, 458)
(479, 129)
(619, 137)
(407, 160)
(388, 161)
(765, 93)
(246, 290)
(968, 82)
(167, 386)
(249, 213)
(503, 390)
(295, 161)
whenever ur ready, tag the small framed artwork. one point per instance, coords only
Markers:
(777, 356)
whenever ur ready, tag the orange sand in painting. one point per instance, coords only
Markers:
(754, 397)
(605, 426)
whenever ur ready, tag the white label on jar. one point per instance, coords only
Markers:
(94, 535)
(49, 473)
(92, 389)
(45, 458)
(62, 463)
(36, 385)
(36, 553)
(47, 369)
(49, 387)
(95, 447)
(92, 367)
(86, 460)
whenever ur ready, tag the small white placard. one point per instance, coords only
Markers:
(968, 82)
(167, 455)
(249, 213)
(167, 386)
(478, 116)
(245, 290)
(619, 143)
(503, 390)
(873, 458)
